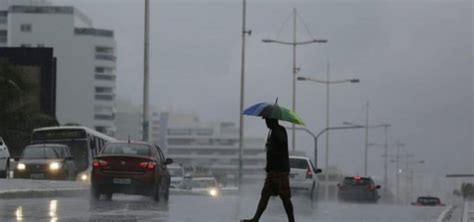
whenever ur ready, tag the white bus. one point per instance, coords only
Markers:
(83, 142)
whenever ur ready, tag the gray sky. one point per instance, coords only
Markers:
(414, 59)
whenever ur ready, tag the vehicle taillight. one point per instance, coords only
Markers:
(100, 163)
(148, 165)
(309, 174)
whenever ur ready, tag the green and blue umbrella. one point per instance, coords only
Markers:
(273, 111)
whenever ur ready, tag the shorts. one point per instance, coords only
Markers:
(277, 184)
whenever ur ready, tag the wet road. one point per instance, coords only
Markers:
(201, 209)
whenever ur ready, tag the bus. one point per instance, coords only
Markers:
(84, 143)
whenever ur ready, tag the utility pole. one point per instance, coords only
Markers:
(242, 92)
(295, 71)
(294, 43)
(366, 159)
(146, 74)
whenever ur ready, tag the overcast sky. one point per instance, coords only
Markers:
(414, 59)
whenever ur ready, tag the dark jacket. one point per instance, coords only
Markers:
(277, 151)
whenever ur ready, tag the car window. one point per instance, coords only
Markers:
(127, 149)
(42, 153)
(298, 164)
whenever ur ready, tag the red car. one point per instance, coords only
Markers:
(130, 168)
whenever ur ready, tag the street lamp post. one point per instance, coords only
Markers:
(145, 126)
(294, 43)
(327, 82)
(245, 32)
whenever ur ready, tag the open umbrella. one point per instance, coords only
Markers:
(273, 111)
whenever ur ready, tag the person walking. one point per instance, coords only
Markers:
(278, 168)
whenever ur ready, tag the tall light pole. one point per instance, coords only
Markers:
(366, 152)
(146, 73)
(294, 43)
(327, 82)
(242, 91)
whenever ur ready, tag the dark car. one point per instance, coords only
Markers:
(358, 189)
(428, 201)
(46, 161)
(131, 168)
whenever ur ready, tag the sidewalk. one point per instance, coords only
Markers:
(20, 188)
(468, 212)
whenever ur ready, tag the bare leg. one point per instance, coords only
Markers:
(288, 208)
(262, 205)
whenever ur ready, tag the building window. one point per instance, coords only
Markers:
(103, 109)
(102, 129)
(104, 97)
(103, 117)
(104, 70)
(99, 89)
(25, 27)
(178, 131)
(104, 53)
(3, 36)
(25, 45)
(204, 131)
(104, 77)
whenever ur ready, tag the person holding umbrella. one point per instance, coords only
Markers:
(278, 165)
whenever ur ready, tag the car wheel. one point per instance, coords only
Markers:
(95, 194)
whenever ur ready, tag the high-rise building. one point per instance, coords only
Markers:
(85, 87)
(213, 147)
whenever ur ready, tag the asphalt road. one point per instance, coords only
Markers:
(203, 209)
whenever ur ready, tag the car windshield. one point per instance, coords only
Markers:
(203, 183)
(127, 149)
(298, 163)
(42, 152)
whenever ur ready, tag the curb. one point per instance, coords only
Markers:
(446, 214)
(13, 194)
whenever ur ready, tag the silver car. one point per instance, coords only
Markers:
(303, 175)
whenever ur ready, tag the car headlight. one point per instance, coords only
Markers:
(21, 166)
(213, 192)
(54, 166)
(83, 177)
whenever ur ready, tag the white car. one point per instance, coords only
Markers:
(177, 176)
(4, 159)
(303, 175)
(205, 185)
